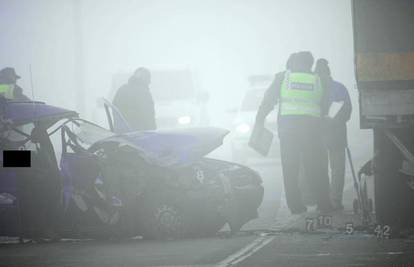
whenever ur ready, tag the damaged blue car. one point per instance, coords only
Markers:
(88, 181)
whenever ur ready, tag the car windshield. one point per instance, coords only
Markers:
(19, 135)
(252, 100)
(88, 133)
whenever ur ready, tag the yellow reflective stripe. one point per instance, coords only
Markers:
(301, 101)
(6, 90)
(298, 100)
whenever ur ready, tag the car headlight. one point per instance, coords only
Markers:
(243, 128)
(184, 120)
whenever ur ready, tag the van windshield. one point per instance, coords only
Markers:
(172, 85)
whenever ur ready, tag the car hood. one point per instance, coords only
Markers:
(172, 148)
(20, 113)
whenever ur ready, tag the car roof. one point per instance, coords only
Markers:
(20, 113)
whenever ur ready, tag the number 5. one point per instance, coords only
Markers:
(349, 228)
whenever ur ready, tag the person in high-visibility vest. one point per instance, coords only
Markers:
(6, 90)
(8, 85)
(302, 101)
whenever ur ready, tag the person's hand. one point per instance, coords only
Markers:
(327, 119)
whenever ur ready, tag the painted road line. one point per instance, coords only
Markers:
(327, 254)
(246, 252)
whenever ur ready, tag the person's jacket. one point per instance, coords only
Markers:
(18, 94)
(336, 130)
(271, 98)
(135, 102)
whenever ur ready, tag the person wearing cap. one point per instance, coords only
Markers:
(301, 98)
(134, 100)
(335, 131)
(8, 85)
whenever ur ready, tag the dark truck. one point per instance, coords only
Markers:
(384, 61)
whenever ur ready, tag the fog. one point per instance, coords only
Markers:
(74, 48)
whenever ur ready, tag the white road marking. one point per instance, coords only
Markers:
(339, 254)
(259, 243)
(245, 252)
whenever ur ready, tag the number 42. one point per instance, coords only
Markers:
(382, 231)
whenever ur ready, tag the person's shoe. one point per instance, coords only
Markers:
(293, 223)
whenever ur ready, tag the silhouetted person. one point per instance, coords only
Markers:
(335, 131)
(9, 87)
(135, 102)
(302, 100)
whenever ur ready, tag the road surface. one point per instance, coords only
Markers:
(274, 239)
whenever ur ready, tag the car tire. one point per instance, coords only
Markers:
(161, 216)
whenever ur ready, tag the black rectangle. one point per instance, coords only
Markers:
(16, 158)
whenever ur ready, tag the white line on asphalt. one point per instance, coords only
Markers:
(238, 256)
(339, 254)
(245, 252)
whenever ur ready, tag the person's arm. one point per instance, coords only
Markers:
(270, 99)
(325, 82)
(18, 94)
(153, 122)
(344, 113)
(116, 101)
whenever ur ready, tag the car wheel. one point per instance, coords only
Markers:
(162, 217)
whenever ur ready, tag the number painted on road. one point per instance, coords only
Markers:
(382, 231)
(324, 221)
(310, 225)
(349, 228)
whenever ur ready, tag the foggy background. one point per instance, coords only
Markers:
(75, 47)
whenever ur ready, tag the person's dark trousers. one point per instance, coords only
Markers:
(301, 143)
(337, 165)
(336, 145)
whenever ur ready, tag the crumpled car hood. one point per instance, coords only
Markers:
(25, 112)
(172, 148)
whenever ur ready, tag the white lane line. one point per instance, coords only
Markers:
(340, 254)
(245, 252)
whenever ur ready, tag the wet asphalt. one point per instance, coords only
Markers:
(266, 241)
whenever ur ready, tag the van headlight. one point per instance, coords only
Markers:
(243, 128)
(184, 120)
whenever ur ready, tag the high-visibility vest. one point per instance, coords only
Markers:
(6, 90)
(301, 94)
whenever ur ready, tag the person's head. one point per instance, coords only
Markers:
(302, 62)
(322, 67)
(291, 61)
(142, 75)
(8, 75)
